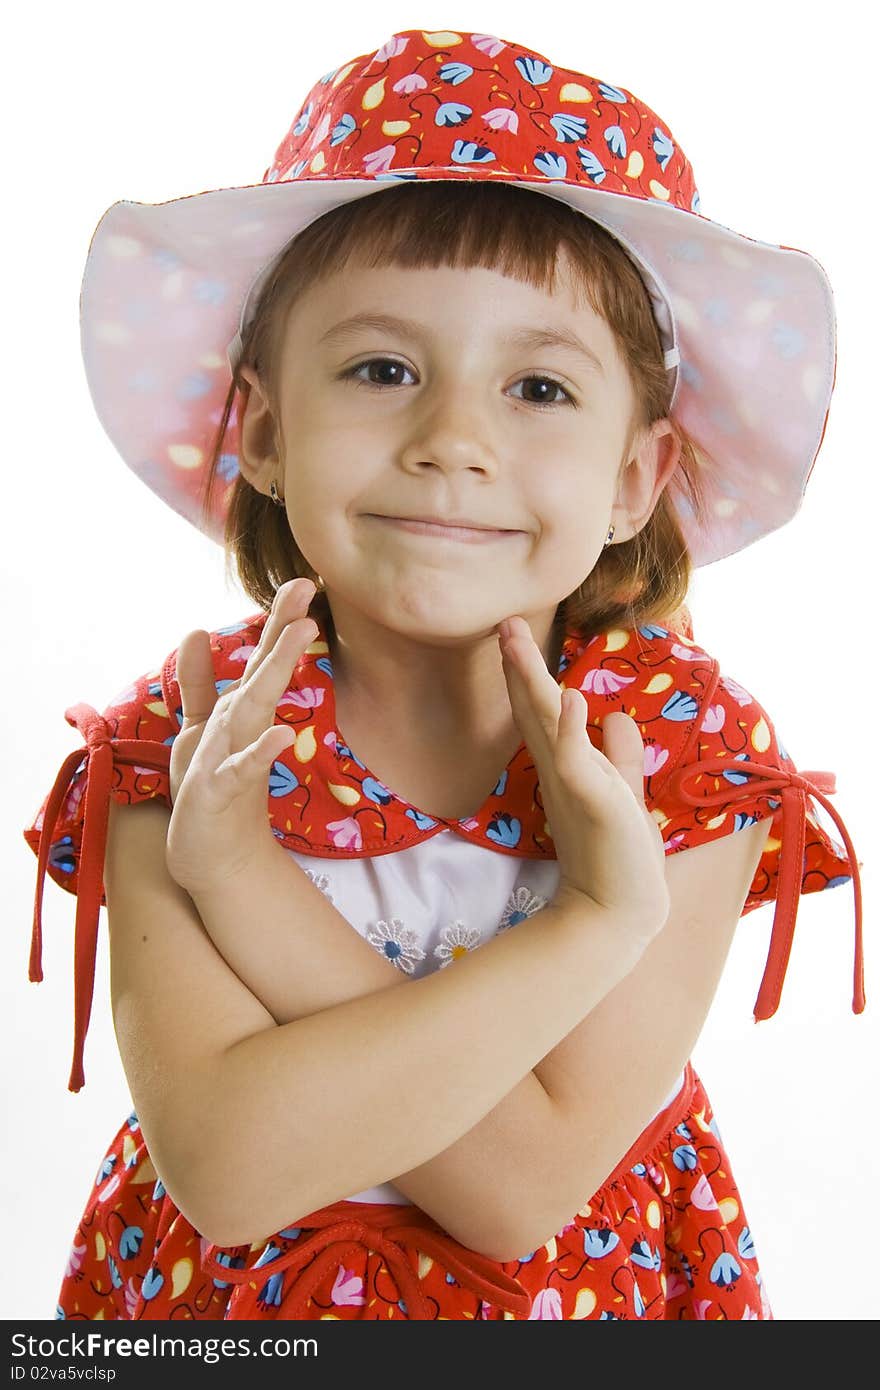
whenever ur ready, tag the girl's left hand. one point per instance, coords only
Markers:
(221, 758)
(608, 845)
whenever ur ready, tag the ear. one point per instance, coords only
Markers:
(643, 477)
(258, 457)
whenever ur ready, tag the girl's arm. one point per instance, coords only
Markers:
(221, 1091)
(521, 1168)
(609, 853)
(335, 1102)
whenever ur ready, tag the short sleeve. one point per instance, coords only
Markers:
(732, 770)
(125, 755)
(139, 713)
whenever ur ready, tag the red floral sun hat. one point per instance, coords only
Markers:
(747, 327)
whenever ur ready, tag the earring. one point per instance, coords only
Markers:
(319, 583)
(610, 536)
(273, 493)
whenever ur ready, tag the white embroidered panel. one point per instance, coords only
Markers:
(426, 906)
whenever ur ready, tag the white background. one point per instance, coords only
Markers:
(772, 104)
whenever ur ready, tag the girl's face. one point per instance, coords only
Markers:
(438, 393)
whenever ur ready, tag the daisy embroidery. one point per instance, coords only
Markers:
(320, 881)
(457, 940)
(392, 939)
(520, 905)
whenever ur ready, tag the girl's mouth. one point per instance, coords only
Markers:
(468, 534)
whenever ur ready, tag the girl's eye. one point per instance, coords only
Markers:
(383, 371)
(544, 399)
(384, 363)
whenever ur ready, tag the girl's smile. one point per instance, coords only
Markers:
(443, 531)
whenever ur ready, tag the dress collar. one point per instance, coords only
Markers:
(325, 800)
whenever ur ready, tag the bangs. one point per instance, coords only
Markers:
(527, 236)
(466, 225)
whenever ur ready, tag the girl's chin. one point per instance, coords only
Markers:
(443, 619)
(427, 603)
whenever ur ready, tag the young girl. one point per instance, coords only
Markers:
(464, 441)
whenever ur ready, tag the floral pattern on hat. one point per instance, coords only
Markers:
(454, 100)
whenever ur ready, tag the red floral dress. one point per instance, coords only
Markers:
(666, 1235)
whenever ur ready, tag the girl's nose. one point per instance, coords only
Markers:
(452, 431)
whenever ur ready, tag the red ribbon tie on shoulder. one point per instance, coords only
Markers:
(100, 753)
(794, 788)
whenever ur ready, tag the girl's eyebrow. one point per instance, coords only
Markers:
(528, 338)
(533, 338)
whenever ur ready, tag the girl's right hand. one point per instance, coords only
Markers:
(222, 758)
(608, 845)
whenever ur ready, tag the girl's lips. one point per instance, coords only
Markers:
(468, 534)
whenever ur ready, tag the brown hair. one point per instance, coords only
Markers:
(519, 232)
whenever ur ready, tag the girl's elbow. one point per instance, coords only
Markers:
(194, 1190)
(231, 1204)
(537, 1224)
(215, 1176)
(217, 1206)
(516, 1235)
(241, 1199)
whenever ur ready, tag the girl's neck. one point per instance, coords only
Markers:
(451, 690)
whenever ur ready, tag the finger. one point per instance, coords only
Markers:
(253, 709)
(195, 676)
(576, 758)
(291, 601)
(250, 767)
(622, 745)
(536, 698)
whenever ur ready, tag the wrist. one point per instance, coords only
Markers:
(603, 933)
(213, 886)
(286, 940)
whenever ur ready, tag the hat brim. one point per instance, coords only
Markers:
(164, 287)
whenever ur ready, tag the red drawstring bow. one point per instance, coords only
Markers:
(346, 1227)
(100, 753)
(794, 787)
